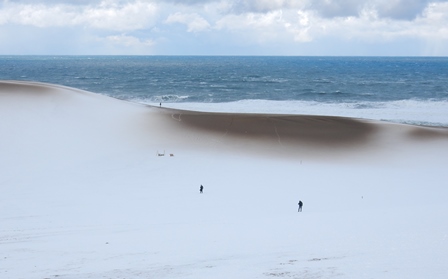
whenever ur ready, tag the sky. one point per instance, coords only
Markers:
(224, 27)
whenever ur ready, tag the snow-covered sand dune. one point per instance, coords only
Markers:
(86, 194)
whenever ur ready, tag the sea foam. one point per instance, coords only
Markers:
(430, 113)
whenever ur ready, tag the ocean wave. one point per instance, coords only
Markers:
(264, 79)
(88, 78)
(417, 123)
(161, 98)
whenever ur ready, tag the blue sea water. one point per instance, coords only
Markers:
(402, 89)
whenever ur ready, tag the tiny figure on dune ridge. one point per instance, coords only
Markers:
(201, 189)
(300, 206)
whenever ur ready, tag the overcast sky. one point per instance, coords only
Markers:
(224, 27)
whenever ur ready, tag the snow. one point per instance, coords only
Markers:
(83, 195)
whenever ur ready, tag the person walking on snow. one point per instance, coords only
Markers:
(300, 206)
(200, 189)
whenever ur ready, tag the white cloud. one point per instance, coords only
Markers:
(195, 22)
(264, 6)
(371, 28)
(261, 24)
(130, 16)
(395, 9)
(129, 41)
(261, 28)
(36, 15)
(107, 15)
(301, 30)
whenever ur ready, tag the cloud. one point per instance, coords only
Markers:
(195, 22)
(106, 15)
(129, 41)
(395, 9)
(272, 28)
(213, 26)
(264, 6)
(401, 9)
(333, 8)
(368, 27)
(129, 16)
(53, 2)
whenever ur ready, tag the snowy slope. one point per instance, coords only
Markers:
(84, 194)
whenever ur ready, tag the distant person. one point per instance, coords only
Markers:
(300, 206)
(201, 189)
(160, 104)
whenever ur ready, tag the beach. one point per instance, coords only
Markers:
(96, 187)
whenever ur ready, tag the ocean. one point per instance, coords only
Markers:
(412, 90)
